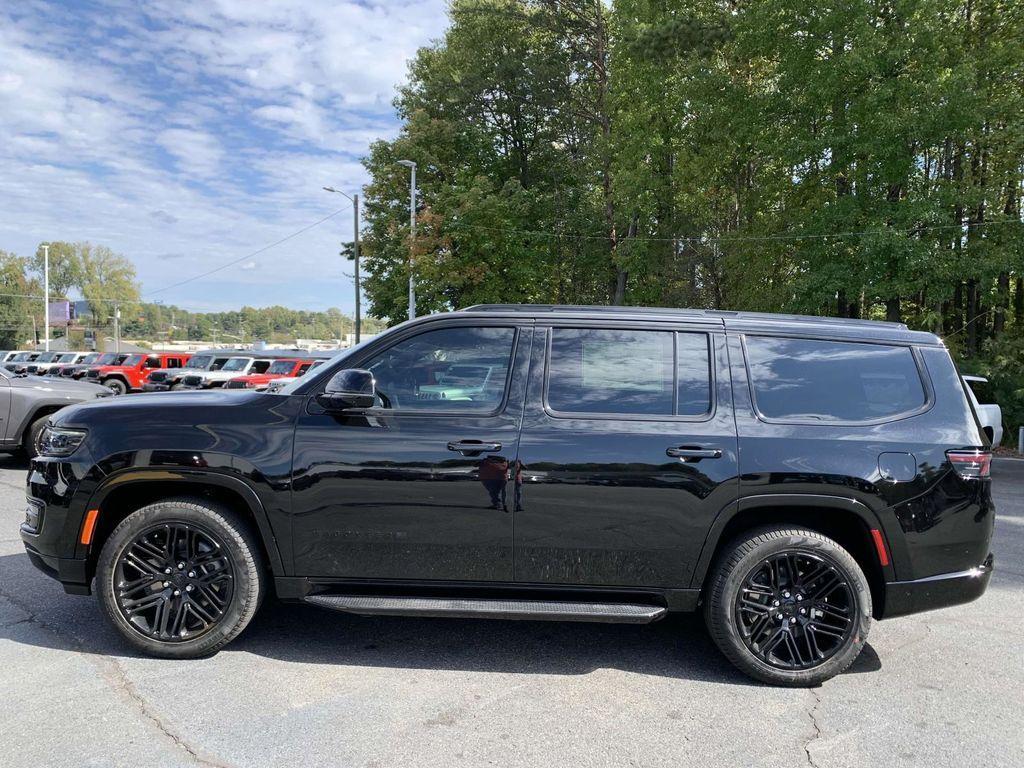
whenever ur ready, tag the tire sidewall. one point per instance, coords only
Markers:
(247, 590)
(720, 607)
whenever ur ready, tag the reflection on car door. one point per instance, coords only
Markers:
(415, 487)
(628, 451)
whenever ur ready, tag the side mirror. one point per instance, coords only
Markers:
(351, 388)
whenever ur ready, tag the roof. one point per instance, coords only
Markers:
(838, 327)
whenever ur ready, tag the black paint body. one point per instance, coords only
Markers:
(374, 500)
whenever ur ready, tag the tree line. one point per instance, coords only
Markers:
(107, 280)
(856, 158)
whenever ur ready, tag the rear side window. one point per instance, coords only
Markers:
(628, 372)
(816, 380)
(982, 391)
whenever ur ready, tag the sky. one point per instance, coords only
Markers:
(188, 133)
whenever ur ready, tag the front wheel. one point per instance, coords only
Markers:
(116, 386)
(788, 606)
(180, 578)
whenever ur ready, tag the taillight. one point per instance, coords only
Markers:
(971, 465)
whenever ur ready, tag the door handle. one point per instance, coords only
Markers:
(694, 454)
(473, 447)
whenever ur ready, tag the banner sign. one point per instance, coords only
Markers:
(60, 313)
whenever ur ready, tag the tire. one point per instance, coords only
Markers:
(116, 386)
(31, 437)
(787, 651)
(227, 587)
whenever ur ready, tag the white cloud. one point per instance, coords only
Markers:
(185, 134)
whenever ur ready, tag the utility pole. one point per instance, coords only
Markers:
(412, 233)
(355, 249)
(355, 256)
(117, 327)
(46, 296)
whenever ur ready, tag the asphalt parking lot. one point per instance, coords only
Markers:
(304, 687)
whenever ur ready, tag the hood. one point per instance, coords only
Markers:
(60, 386)
(134, 407)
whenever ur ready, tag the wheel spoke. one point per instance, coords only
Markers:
(772, 605)
(202, 588)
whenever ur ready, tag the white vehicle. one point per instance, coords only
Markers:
(989, 413)
(235, 366)
(49, 360)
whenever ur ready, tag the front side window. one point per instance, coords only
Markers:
(629, 372)
(452, 369)
(815, 380)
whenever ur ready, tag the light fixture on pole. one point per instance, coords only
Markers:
(355, 247)
(46, 297)
(412, 232)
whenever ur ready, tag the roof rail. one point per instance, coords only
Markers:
(722, 313)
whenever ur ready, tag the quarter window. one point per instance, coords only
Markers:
(451, 369)
(816, 380)
(628, 372)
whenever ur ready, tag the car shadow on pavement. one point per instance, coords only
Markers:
(677, 647)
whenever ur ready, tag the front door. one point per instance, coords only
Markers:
(627, 454)
(416, 487)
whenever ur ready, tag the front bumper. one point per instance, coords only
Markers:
(941, 591)
(57, 491)
(158, 387)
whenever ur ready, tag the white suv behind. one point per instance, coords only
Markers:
(989, 413)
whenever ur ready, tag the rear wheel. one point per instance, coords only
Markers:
(116, 386)
(788, 606)
(180, 578)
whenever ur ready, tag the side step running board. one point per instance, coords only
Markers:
(534, 610)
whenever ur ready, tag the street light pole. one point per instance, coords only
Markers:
(412, 233)
(355, 249)
(46, 297)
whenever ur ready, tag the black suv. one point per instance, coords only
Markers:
(792, 477)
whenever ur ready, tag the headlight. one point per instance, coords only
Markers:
(59, 441)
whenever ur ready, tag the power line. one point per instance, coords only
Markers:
(248, 255)
(739, 238)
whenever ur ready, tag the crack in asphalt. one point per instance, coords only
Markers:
(817, 728)
(115, 675)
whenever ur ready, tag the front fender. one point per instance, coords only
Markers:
(189, 479)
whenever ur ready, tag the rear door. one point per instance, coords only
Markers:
(627, 453)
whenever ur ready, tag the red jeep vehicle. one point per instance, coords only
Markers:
(129, 375)
(291, 367)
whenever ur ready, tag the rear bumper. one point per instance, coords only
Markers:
(941, 591)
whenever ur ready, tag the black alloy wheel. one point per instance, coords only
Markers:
(181, 578)
(788, 606)
(795, 610)
(173, 582)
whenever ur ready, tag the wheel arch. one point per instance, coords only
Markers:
(120, 377)
(43, 409)
(847, 521)
(123, 493)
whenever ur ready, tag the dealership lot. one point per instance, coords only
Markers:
(307, 687)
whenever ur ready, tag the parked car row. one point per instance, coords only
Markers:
(122, 373)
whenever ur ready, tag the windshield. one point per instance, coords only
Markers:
(67, 357)
(91, 358)
(21, 357)
(47, 357)
(291, 386)
(107, 358)
(133, 360)
(281, 367)
(237, 364)
(200, 362)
